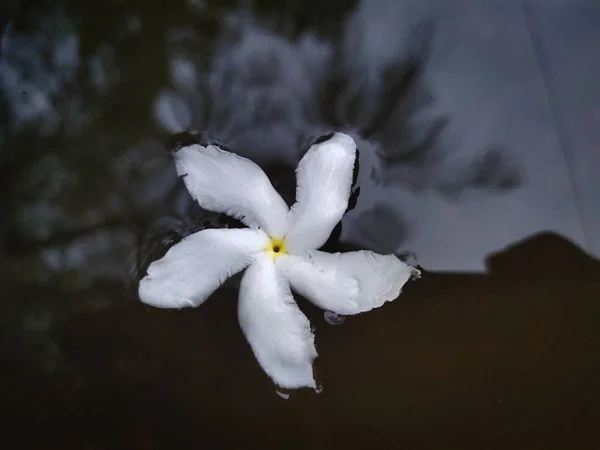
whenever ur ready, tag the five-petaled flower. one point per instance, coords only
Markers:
(278, 251)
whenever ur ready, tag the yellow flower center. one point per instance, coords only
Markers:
(276, 247)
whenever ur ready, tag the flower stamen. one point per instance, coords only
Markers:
(276, 247)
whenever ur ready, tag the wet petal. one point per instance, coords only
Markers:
(380, 279)
(328, 286)
(195, 267)
(324, 178)
(224, 182)
(278, 332)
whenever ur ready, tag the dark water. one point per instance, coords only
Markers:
(478, 152)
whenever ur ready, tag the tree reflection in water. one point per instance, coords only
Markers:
(92, 91)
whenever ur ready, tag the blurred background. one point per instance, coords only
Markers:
(478, 128)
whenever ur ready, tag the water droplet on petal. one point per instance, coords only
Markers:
(283, 395)
(334, 319)
(415, 274)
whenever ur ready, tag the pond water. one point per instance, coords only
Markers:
(477, 129)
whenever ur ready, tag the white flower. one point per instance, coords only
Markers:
(278, 250)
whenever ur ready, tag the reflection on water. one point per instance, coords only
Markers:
(333, 319)
(90, 95)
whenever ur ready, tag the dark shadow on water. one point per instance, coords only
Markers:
(459, 361)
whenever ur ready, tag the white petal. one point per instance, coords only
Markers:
(278, 332)
(380, 278)
(195, 267)
(223, 182)
(324, 179)
(328, 286)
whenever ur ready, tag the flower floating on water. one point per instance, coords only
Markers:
(278, 251)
